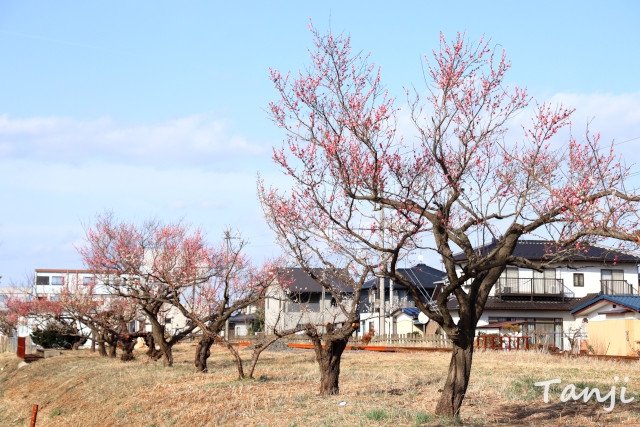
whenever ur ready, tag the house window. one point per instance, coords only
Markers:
(578, 280)
(509, 280)
(544, 282)
(87, 280)
(42, 280)
(613, 283)
(612, 275)
(57, 280)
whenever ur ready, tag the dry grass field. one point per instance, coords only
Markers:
(83, 389)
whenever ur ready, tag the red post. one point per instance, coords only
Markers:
(21, 347)
(34, 416)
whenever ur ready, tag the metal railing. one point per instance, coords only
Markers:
(295, 307)
(617, 287)
(530, 287)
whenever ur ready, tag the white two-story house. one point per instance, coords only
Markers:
(540, 303)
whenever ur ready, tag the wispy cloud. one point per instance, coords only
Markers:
(201, 138)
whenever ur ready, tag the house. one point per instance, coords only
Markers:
(398, 314)
(542, 303)
(50, 282)
(610, 324)
(302, 300)
(244, 323)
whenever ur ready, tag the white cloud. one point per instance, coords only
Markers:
(199, 139)
(617, 116)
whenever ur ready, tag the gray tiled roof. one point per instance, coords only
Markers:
(421, 275)
(545, 249)
(301, 281)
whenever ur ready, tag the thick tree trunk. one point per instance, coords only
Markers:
(203, 351)
(128, 344)
(151, 345)
(329, 358)
(165, 348)
(457, 381)
(157, 330)
(112, 348)
(102, 351)
(93, 341)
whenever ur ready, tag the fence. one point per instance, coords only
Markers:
(489, 342)
(494, 342)
(395, 340)
(10, 345)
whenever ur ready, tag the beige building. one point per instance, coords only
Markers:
(605, 322)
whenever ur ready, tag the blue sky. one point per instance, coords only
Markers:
(151, 109)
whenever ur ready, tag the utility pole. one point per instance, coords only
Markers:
(227, 237)
(381, 308)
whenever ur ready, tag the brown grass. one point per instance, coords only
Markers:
(80, 389)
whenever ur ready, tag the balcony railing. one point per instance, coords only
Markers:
(312, 307)
(530, 287)
(617, 287)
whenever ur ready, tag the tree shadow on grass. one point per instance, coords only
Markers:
(554, 413)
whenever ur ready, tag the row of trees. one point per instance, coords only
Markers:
(140, 272)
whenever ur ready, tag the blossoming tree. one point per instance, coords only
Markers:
(149, 264)
(234, 283)
(464, 180)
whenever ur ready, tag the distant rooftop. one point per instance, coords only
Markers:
(545, 249)
(421, 275)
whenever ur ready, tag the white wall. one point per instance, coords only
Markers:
(71, 277)
(592, 277)
(279, 312)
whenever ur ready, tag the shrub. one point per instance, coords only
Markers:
(56, 336)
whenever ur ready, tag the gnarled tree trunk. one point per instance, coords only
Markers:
(112, 348)
(157, 331)
(329, 358)
(128, 344)
(203, 351)
(457, 381)
(102, 351)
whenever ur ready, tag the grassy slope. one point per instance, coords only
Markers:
(80, 389)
